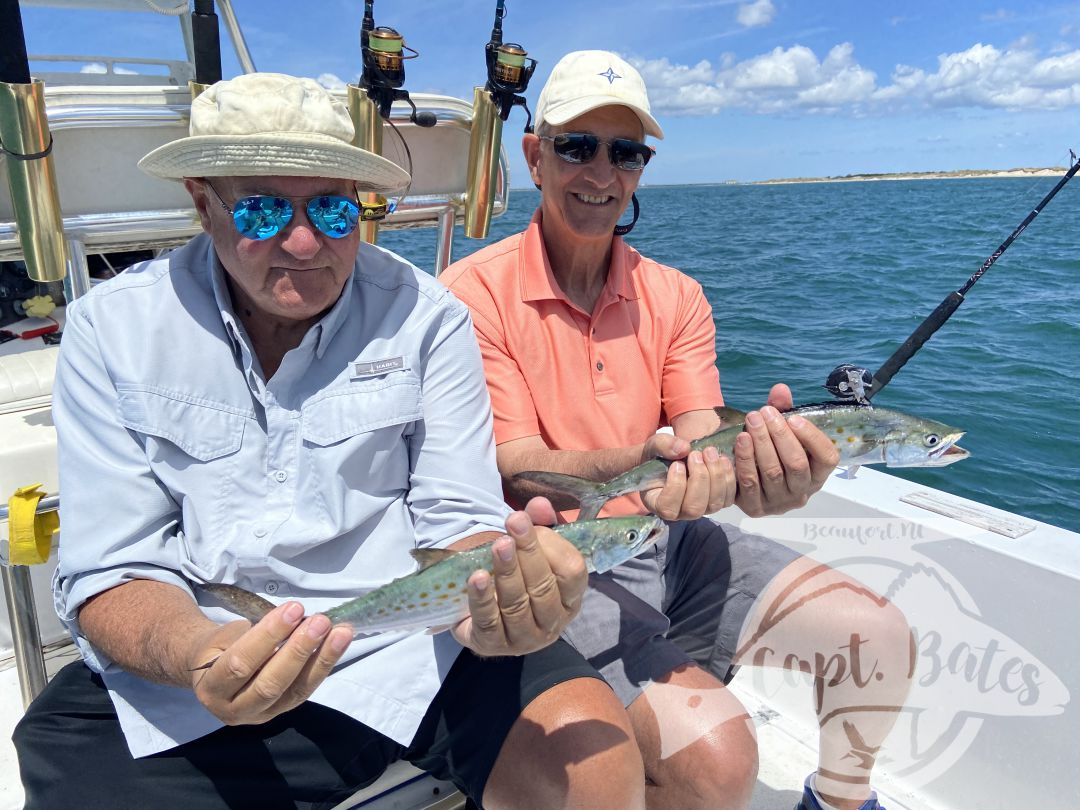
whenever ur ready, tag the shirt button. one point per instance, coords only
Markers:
(281, 476)
(599, 366)
(271, 587)
(260, 532)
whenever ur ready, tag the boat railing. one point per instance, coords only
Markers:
(22, 612)
(111, 70)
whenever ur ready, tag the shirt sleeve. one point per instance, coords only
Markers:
(455, 487)
(117, 522)
(690, 379)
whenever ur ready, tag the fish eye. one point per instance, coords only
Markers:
(932, 440)
(631, 535)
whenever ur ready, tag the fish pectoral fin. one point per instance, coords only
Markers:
(730, 416)
(427, 557)
(850, 472)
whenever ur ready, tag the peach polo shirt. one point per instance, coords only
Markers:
(580, 380)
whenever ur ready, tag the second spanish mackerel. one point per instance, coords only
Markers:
(436, 594)
(864, 434)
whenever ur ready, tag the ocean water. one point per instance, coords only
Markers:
(804, 277)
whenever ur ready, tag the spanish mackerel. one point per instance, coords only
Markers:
(436, 594)
(864, 434)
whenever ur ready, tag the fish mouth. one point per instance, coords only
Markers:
(948, 453)
(657, 532)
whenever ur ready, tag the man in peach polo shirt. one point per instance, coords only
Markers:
(588, 349)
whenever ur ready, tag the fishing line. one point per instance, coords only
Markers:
(851, 382)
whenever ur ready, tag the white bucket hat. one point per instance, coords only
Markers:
(270, 124)
(585, 80)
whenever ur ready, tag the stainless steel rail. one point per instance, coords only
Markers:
(22, 613)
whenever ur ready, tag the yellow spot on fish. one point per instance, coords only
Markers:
(411, 607)
(851, 439)
(397, 608)
(423, 604)
(443, 596)
(423, 595)
(436, 587)
(451, 584)
(839, 430)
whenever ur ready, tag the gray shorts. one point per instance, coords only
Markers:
(683, 601)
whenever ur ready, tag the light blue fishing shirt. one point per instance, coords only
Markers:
(178, 460)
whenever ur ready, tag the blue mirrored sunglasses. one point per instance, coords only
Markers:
(262, 216)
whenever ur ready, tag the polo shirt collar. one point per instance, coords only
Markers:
(538, 282)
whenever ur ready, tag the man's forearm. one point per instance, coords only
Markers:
(149, 628)
(595, 465)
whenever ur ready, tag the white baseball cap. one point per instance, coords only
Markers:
(270, 124)
(584, 80)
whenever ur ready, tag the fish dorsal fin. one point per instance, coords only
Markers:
(427, 557)
(731, 416)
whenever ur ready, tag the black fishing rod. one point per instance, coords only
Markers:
(509, 69)
(849, 381)
(383, 52)
(207, 43)
(14, 66)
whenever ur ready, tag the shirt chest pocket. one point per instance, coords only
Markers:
(204, 431)
(365, 407)
(356, 438)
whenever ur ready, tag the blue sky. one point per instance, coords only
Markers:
(745, 90)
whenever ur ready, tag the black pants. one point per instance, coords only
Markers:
(72, 752)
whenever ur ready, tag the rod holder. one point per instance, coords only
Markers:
(196, 88)
(368, 135)
(482, 175)
(27, 143)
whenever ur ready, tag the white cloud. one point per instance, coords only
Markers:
(796, 79)
(757, 13)
(99, 67)
(331, 81)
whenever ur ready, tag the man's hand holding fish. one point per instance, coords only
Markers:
(538, 578)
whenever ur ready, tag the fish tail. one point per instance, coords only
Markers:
(590, 508)
(591, 495)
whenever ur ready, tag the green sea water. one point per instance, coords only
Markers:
(803, 277)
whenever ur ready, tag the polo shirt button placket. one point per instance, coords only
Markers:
(599, 366)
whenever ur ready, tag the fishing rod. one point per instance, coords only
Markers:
(206, 44)
(382, 51)
(509, 69)
(851, 382)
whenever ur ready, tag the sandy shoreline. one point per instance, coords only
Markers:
(953, 175)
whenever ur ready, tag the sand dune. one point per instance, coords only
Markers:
(951, 175)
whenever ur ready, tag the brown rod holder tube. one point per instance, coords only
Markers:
(27, 145)
(368, 135)
(484, 145)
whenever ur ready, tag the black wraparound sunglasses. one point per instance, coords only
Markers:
(581, 147)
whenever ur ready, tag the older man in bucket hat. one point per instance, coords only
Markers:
(590, 347)
(278, 406)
